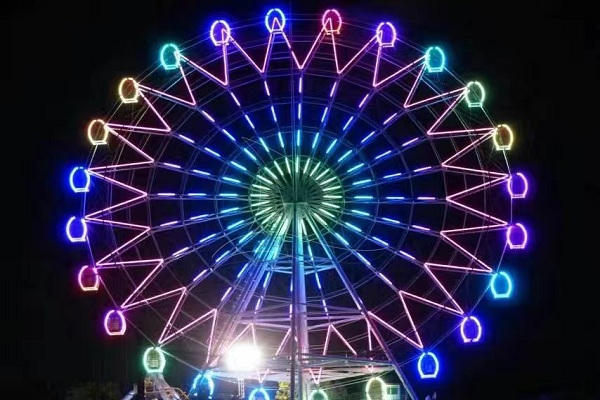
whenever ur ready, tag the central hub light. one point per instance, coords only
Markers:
(301, 187)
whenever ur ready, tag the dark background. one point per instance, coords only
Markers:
(540, 63)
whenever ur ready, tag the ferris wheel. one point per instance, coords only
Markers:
(312, 205)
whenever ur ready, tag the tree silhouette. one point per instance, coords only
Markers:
(94, 391)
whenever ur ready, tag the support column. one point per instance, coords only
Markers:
(299, 337)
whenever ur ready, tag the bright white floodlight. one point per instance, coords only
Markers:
(243, 357)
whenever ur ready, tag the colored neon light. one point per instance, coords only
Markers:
(474, 322)
(84, 274)
(435, 60)
(257, 391)
(129, 91)
(76, 237)
(503, 137)
(97, 132)
(510, 186)
(187, 139)
(386, 39)
(249, 121)
(475, 95)
(381, 383)
(362, 102)
(505, 278)
(331, 21)
(347, 124)
(375, 238)
(367, 137)
(220, 33)
(277, 15)
(320, 392)
(115, 323)
(204, 377)
(388, 119)
(170, 57)
(154, 360)
(520, 232)
(411, 141)
(430, 370)
(211, 151)
(421, 228)
(77, 174)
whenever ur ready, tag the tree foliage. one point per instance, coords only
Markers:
(283, 392)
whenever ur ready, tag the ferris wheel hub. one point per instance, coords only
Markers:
(299, 186)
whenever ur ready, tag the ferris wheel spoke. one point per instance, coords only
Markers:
(396, 116)
(356, 254)
(386, 221)
(140, 196)
(369, 316)
(162, 94)
(347, 156)
(358, 167)
(203, 148)
(359, 54)
(248, 282)
(352, 119)
(221, 81)
(275, 121)
(311, 52)
(272, 254)
(132, 305)
(207, 240)
(358, 199)
(334, 87)
(259, 68)
(326, 114)
(316, 272)
(359, 183)
(261, 71)
(483, 266)
(485, 217)
(223, 179)
(243, 241)
(167, 336)
(381, 83)
(454, 201)
(197, 196)
(456, 309)
(252, 126)
(203, 218)
(124, 247)
(263, 292)
(215, 154)
(230, 136)
(156, 264)
(164, 129)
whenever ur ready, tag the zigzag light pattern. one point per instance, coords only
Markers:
(247, 142)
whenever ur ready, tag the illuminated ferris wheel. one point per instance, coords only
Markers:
(306, 207)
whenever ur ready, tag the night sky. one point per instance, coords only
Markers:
(539, 60)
